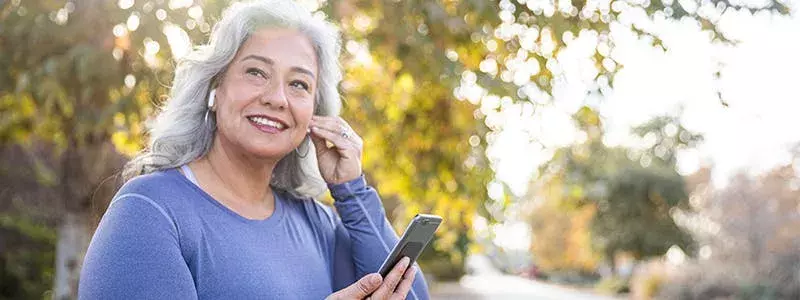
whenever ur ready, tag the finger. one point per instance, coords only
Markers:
(343, 150)
(405, 285)
(321, 144)
(337, 125)
(334, 137)
(392, 279)
(332, 121)
(359, 290)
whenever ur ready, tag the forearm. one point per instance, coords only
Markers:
(371, 235)
(363, 216)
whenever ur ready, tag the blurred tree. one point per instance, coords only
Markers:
(75, 77)
(749, 234)
(561, 240)
(630, 193)
(431, 53)
(625, 187)
(425, 148)
(24, 274)
(526, 46)
(635, 215)
(752, 221)
(27, 238)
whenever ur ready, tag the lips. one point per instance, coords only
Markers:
(267, 124)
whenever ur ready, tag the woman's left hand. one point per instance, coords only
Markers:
(340, 162)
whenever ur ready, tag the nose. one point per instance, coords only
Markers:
(275, 96)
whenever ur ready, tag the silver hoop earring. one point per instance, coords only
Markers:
(308, 148)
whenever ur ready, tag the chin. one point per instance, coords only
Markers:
(272, 154)
(268, 151)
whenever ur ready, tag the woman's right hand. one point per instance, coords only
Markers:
(395, 286)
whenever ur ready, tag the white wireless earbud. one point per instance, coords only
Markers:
(211, 97)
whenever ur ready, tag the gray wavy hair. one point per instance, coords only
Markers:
(179, 134)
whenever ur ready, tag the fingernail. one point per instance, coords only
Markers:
(375, 279)
(406, 261)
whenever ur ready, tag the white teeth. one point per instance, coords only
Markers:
(267, 122)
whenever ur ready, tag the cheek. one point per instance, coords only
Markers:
(234, 104)
(302, 113)
(227, 116)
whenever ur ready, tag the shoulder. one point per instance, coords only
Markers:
(162, 193)
(164, 188)
(151, 184)
(139, 212)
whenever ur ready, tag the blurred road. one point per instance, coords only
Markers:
(486, 282)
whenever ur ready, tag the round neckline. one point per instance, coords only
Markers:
(275, 218)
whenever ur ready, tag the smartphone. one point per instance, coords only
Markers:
(414, 240)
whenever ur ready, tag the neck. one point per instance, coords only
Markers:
(244, 176)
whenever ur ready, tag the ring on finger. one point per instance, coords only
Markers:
(345, 132)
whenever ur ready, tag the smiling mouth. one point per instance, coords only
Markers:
(266, 124)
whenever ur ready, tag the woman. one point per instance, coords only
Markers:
(222, 207)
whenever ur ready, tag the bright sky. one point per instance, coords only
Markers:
(760, 82)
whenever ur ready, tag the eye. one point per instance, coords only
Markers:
(299, 84)
(256, 72)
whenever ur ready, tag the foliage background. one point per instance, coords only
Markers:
(424, 80)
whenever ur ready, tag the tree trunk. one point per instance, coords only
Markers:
(611, 260)
(73, 239)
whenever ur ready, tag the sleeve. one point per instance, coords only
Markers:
(364, 232)
(135, 254)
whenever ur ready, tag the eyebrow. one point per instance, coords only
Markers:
(271, 62)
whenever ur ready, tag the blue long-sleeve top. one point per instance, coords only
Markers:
(163, 237)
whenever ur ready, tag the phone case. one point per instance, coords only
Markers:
(416, 237)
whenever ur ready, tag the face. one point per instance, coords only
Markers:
(266, 97)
